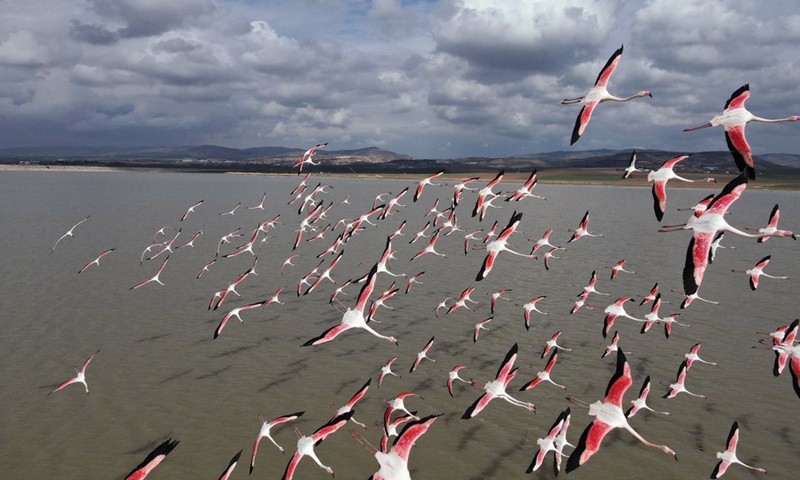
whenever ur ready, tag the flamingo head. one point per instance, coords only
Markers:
(644, 93)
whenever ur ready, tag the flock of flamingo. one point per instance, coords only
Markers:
(401, 428)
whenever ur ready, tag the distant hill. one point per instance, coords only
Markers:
(374, 159)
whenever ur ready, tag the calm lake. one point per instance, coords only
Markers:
(159, 372)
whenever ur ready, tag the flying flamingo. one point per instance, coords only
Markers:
(614, 347)
(394, 463)
(785, 351)
(580, 302)
(616, 309)
(154, 278)
(592, 281)
(152, 460)
(496, 296)
(352, 403)
(265, 432)
(705, 228)
(422, 354)
(544, 375)
(499, 245)
(68, 234)
(652, 317)
(453, 376)
(235, 313)
(462, 300)
(387, 370)
(650, 296)
(459, 187)
(728, 457)
(478, 327)
(598, 94)
(547, 445)
(734, 118)
(96, 261)
(308, 158)
(631, 168)
(427, 181)
(206, 267)
(191, 209)
(484, 193)
(619, 267)
(531, 307)
(660, 178)
(758, 271)
(608, 416)
(260, 206)
(413, 280)
(549, 255)
(771, 230)
(525, 190)
(641, 402)
(543, 242)
(497, 387)
(678, 386)
(305, 445)
(552, 344)
(80, 376)
(583, 229)
(430, 248)
(353, 317)
(692, 356)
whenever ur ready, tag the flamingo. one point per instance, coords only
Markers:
(235, 313)
(608, 416)
(497, 387)
(154, 278)
(544, 375)
(260, 206)
(650, 296)
(617, 309)
(70, 233)
(550, 254)
(614, 347)
(728, 457)
(598, 94)
(641, 402)
(96, 261)
(427, 181)
(547, 445)
(592, 281)
(462, 300)
(422, 354)
(352, 403)
(692, 356)
(413, 280)
(191, 209)
(525, 190)
(453, 376)
(660, 178)
(430, 248)
(496, 296)
(496, 246)
(152, 460)
(786, 350)
(305, 445)
(265, 432)
(734, 118)
(619, 267)
(80, 376)
(308, 158)
(543, 242)
(387, 370)
(771, 230)
(353, 317)
(580, 302)
(583, 229)
(460, 187)
(631, 168)
(552, 344)
(678, 386)
(758, 271)
(480, 326)
(394, 463)
(484, 193)
(531, 307)
(206, 267)
(705, 228)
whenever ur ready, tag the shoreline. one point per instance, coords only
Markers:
(565, 176)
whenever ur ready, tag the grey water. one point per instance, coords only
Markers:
(158, 372)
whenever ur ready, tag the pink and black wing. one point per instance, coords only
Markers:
(643, 393)
(582, 121)
(486, 267)
(335, 424)
(291, 466)
(231, 465)
(152, 460)
(410, 434)
(359, 394)
(538, 459)
(588, 445)
(327, 335)
(366, 290)
(478, 406)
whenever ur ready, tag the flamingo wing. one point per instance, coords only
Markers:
(410, 434)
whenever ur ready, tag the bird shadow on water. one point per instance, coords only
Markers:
(177, 375)
(213, 374)
(699, 436)
(233, 351)
(498, 462)
(152, 338)
(468, 437)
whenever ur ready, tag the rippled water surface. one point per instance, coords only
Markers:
(159, 373)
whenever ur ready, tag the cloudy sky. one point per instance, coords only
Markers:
(428, 78)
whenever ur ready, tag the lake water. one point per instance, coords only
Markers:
(159, 373)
